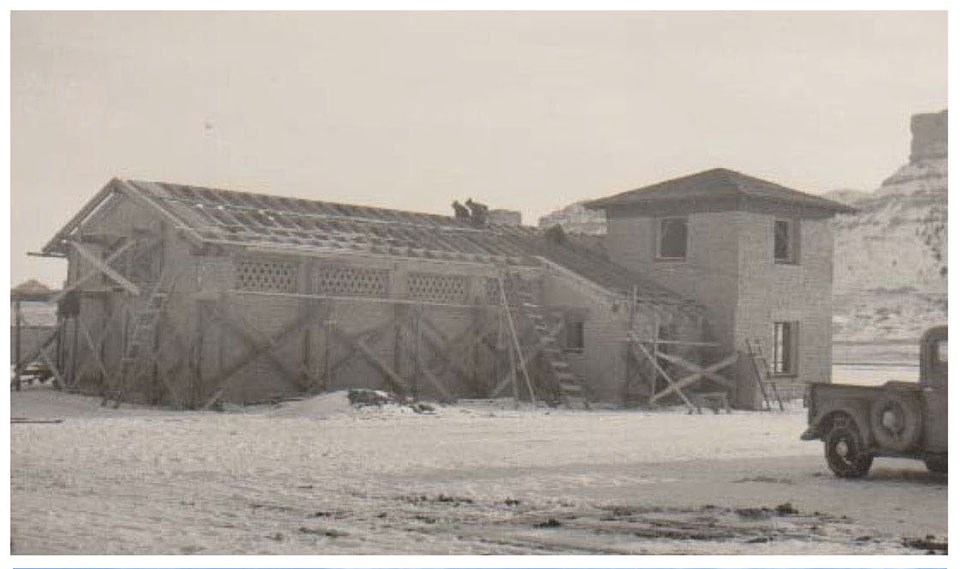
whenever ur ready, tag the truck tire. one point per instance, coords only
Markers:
(936, 464)
(845, 452)
(896, 422)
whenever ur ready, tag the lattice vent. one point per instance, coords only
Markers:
(266, 276)
(352, 281)
(437, 288)
(493, 291)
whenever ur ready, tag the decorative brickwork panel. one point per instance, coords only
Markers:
(266, 276)
(437, 288)
(493, 291)
(351, 281)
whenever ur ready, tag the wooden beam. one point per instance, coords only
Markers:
(636, 344)
(449, 353)
(697, 376)
(446, 351)
(21, 360)
(57, 376)
(88, 208)
(684, 343)
(183, 228)
(371, 336)
(259, 347)
(436, 382)
(707, 372)
(516, 340)
(392, 378)
(528, 358)
(95, 353)
(104, 268)
(113, 256)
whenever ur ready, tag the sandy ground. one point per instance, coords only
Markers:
(320, 477)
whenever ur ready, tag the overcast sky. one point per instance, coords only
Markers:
(525, 111)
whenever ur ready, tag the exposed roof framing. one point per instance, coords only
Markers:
(265, 222)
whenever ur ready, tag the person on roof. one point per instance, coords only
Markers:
(459, 211)
(478, 212)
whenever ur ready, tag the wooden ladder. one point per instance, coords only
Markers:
(761, 368)
(569, 385)
(140, 356)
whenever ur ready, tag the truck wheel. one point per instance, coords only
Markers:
(936, 464)
(845, 453)
(895, 422)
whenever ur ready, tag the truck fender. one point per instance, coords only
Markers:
(858, 410)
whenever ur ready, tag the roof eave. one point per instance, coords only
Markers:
(824, 204)
(55, 245)
(115, 185)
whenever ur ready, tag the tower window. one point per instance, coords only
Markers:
(672, 238)
(574, 334)
(785, 241)
(785, 348)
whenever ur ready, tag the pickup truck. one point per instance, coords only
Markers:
(896, 419)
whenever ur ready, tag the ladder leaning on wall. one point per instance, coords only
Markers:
(568, 385)
(140, 356)
(761, 368)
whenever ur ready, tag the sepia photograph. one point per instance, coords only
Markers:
(478, 283)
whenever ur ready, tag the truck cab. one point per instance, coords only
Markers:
(897, 419)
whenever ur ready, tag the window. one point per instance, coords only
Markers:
(574, 334)
(939, 364)
(785, 240)
(942, 351)
(672, 238)
(785, 348)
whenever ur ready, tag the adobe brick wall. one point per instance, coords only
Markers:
(730, 270)
(601, 363)
(202, 275)
(773, 292)
(709, 275)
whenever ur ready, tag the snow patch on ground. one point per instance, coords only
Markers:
(321, 476)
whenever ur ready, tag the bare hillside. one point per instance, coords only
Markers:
(890, 274)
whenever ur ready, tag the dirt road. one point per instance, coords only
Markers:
(320, 477)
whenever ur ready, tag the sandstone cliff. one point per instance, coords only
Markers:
(890, 271)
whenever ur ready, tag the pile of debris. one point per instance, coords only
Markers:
(374, 398)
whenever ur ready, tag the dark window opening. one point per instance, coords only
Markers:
(672, 238)
(784, 241)
(785, 348)
(574, 334)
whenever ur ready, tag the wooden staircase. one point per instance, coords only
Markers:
(140, 357)
(556, 370)
(768, 387)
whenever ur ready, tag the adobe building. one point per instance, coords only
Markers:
(190, 297)
(187, 296)
(756, 255)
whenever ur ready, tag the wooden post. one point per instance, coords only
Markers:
(104, 330)
(197, 364)
(516, 340)
(75, 351)
(475, 342)
(417, 353)
(513, 374)
(16, 347)
(654, 346)
(58, 355)
(305, 362)
(157, 381)
(327, 340)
